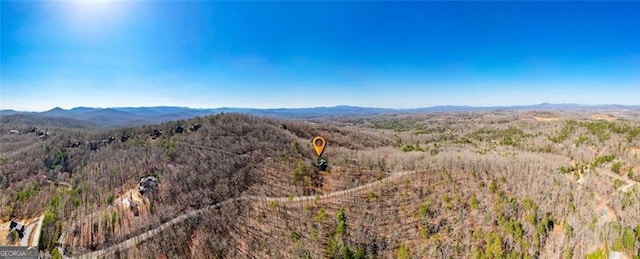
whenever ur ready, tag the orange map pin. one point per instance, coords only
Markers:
(318, 144)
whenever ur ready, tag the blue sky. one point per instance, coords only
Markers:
(304, 54)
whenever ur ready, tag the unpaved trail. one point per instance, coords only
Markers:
(285, 200)
(602, 208)
(28, 232)
(626, 187)
(629, 182)
(99, 212)
(36, 237)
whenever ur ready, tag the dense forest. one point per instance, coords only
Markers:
(436, 185)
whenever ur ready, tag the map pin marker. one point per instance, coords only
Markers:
(318, 144)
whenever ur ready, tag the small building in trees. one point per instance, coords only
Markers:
(196, 127)
(18, 227)
(74, 144)
(147, 184)
(155, 134)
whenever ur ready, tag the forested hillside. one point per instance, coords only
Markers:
(437, 185)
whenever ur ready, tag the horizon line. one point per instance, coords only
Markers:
(321, 107)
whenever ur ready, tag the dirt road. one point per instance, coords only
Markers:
(36, 237)
(146, 235)
(99, 212)
(630, 183)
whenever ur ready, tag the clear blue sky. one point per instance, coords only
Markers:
(305, 54)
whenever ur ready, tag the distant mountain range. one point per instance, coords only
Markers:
(129, 116)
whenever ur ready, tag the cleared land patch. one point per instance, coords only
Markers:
(603, 117)
(545, 119)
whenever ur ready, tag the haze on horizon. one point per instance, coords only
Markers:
(206, 54)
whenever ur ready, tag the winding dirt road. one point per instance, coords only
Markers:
(288, 200)
(60, 244)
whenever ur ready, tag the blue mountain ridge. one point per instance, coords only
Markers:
(130, 116)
